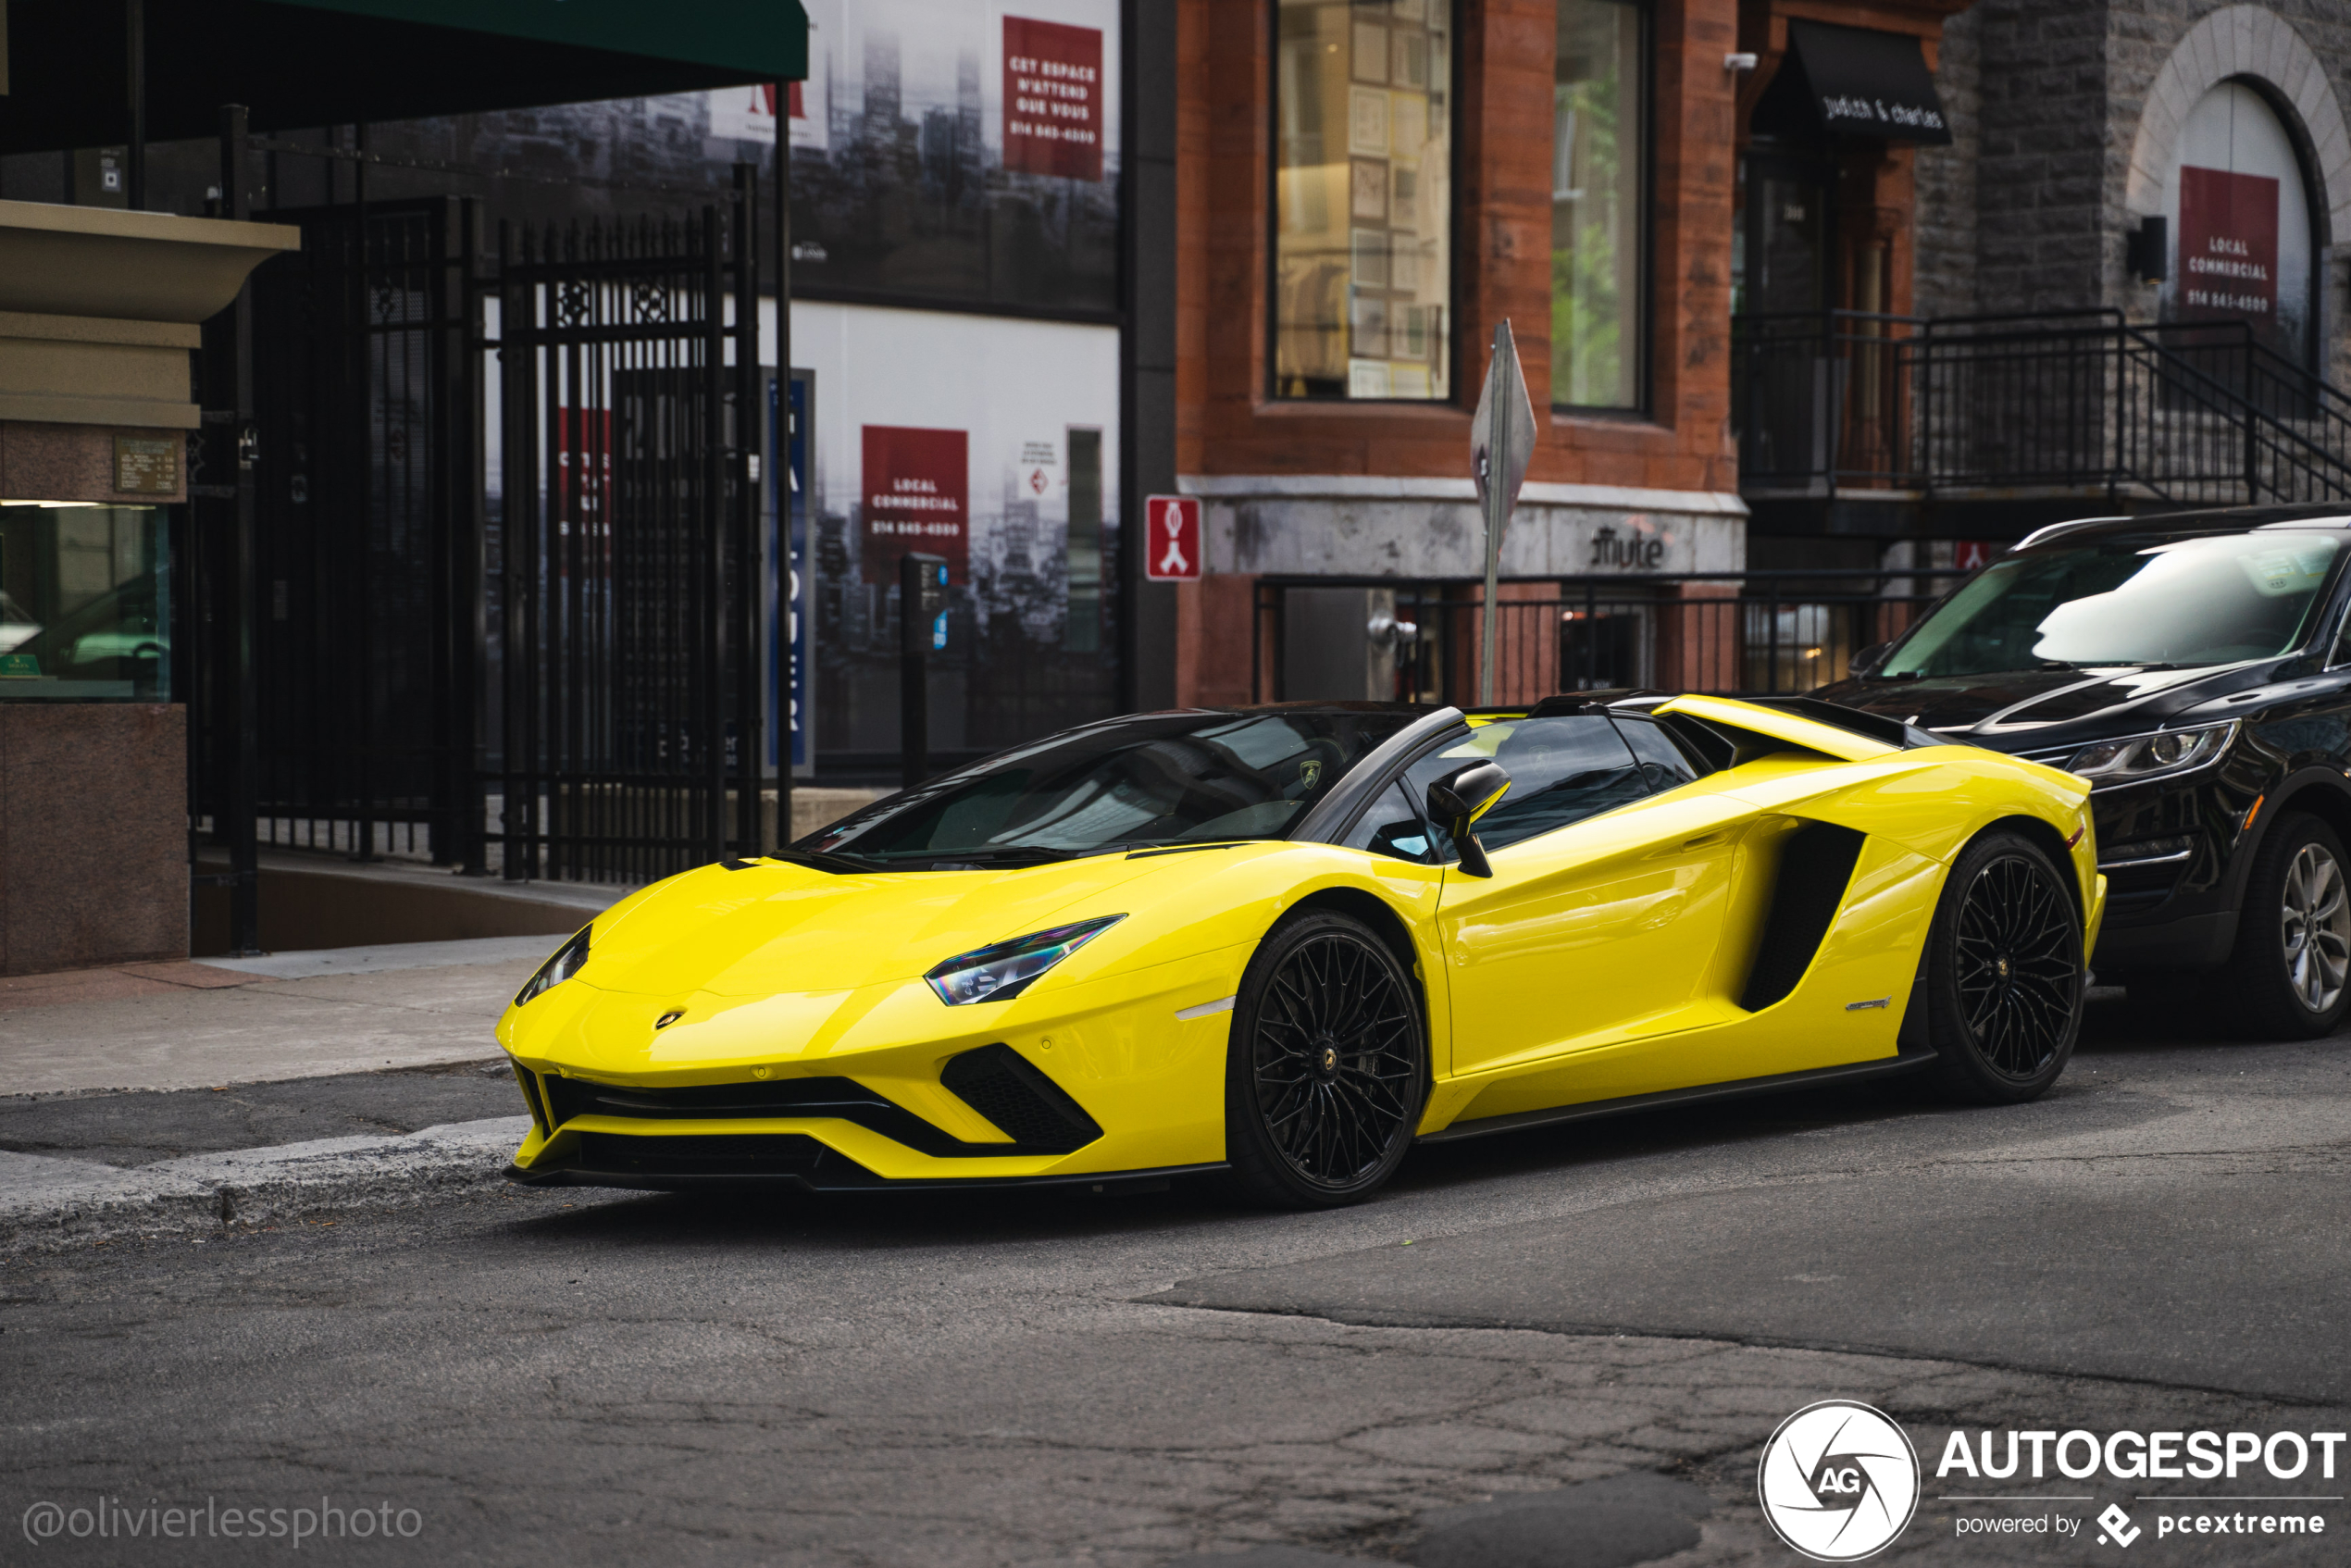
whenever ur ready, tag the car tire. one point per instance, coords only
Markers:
(1328, 1066)
(2287, 977)
(2005, 975)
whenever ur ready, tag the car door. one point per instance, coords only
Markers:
(1613, 879)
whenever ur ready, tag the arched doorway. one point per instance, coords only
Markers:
(2238, 200)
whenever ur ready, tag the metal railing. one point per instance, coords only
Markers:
(2079, 403)
(1728, 633)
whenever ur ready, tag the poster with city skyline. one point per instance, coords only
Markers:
(968, 154)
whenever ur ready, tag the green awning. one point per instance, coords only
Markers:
(302, 63)
(767, 37)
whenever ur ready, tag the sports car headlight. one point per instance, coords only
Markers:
(557, 969)
(1003, 970)
(2150, 757)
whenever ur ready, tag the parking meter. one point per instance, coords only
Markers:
(922, 630)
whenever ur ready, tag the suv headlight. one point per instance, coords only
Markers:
(1002, 970)
(2150, 757)
(561, 966)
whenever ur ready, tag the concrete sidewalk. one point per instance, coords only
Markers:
(289, 1015)
(181, 1098)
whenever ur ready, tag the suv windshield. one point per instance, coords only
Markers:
(2132, 600)
(1157, 779)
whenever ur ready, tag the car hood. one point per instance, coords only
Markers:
(2016, 710)
(774, 927)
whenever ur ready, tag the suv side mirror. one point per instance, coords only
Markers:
(1867, 659)
(1459, 798)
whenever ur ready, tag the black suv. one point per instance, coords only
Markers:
(2196, 668)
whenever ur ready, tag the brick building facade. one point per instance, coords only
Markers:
(1300, 492)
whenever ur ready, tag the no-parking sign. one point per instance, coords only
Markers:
(1171, 546)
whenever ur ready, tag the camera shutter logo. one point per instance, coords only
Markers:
(1839, 1481)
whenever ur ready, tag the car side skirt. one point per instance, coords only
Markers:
(854, 1178)
(1892, 1067)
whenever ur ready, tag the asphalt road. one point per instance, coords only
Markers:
(1013, 1379)
(128, 1128)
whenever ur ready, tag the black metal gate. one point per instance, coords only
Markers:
(366, 536)
(624, 584)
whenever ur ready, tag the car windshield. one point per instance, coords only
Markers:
(1153, 779)
(2133, 599)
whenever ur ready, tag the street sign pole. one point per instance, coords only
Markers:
(1501, 440)
(922, 630)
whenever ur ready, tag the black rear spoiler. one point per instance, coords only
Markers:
(1877, 726)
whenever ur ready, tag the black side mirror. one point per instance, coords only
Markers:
(1457, 799)
(1867, 659)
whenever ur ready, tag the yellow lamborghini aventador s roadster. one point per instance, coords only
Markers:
(1287, 942)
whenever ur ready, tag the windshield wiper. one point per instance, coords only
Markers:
(1012, 856)
(821, 860)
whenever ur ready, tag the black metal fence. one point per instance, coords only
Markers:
(1727, 633)
(2077, 402)
(624, 585)
(365, 542)
(553, 675)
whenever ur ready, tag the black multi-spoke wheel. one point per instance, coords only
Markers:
(1327, 1066)
(2004, 962)
(2018, 970)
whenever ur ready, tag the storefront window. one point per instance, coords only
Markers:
(84, 604)
(1598, 120)
(1364, 200)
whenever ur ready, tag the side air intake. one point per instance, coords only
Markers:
(1000, 1084)
(1816, 865)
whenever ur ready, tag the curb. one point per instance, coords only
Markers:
(47, 1204)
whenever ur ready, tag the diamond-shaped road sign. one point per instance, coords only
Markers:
(1501, 440)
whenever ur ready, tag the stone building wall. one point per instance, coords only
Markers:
(2041, 176)
(1943, 279)
(2144, 35)
(2032, 206)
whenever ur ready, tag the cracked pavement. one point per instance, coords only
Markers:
(1012, 1378)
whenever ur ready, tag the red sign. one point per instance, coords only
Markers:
(1052, 99)
(1171, 540)
(2228, 245)
(917, 488)
(583, 459)
(1969, 554)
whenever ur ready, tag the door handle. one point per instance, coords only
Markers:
(1721, 834)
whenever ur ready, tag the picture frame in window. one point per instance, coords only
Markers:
(1403, 197)
(1403, 267)
(1368, 122)
(1408, 64)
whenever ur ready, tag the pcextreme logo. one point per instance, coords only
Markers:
(1838, 1481)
